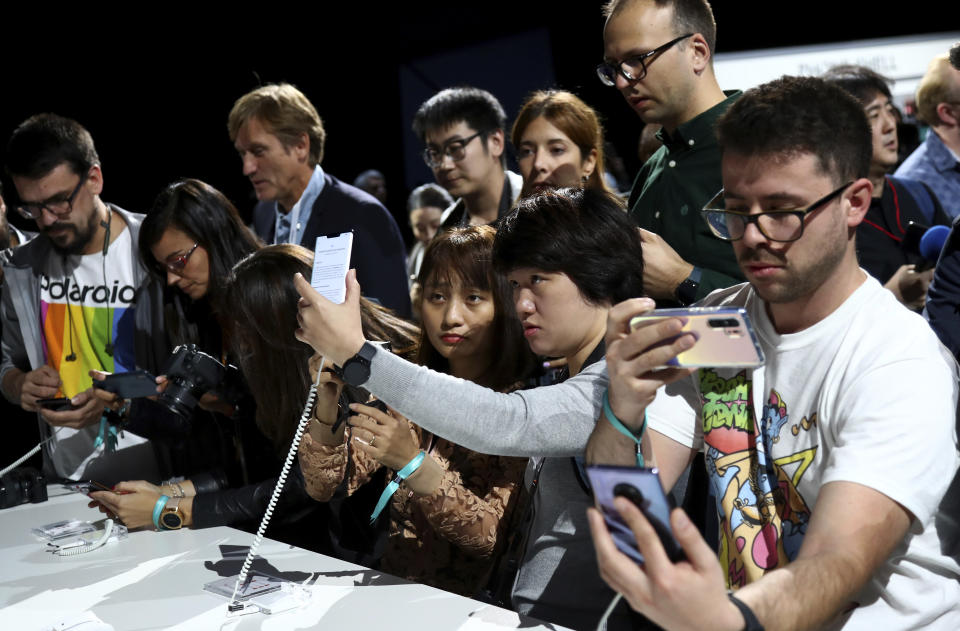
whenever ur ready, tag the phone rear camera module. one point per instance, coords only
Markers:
(722, 323)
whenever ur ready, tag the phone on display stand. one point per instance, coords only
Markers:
(640, 485)
(725, 337)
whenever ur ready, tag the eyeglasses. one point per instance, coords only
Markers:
(775, 225)
(633, 68)
(456, 149)
(176, 263)
(34, 210)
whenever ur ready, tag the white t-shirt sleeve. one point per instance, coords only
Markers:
(673, 413)
(885, 441)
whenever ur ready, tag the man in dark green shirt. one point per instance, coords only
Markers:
(661, 60)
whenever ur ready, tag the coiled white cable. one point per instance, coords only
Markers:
(83, 549)
(287, 464)
(30, 453)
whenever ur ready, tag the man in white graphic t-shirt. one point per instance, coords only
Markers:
(70, 305)
(830, 464)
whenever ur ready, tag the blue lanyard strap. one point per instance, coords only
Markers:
(620, 427)
(402, 475)
(107, 436)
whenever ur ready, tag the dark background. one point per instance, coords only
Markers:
(154, 87)
(155, 90)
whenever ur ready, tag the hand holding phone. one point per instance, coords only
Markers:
(642, 487)
(725, 337)
(56, 404)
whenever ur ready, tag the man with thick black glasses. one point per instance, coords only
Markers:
(462, 129)
(832, 462)
(76, 301)
(659, 54)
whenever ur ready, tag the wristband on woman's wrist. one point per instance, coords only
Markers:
(401, 475)
(157, 509)
(623, 429)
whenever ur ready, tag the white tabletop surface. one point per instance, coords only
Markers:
(154, 580)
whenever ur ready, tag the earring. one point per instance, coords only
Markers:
(583, 180)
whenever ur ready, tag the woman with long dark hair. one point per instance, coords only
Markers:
(447, 519)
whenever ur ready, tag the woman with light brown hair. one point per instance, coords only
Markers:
(559, 143)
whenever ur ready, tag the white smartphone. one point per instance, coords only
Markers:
(725, 337)
(331, 260)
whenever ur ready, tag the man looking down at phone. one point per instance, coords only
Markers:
(73, 305)
(830, 462)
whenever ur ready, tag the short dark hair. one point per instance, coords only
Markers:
(955, 55)
(583, 233)
(205, 215)
(428, 195)
(793, 115)
(45, 141)
(862, 82)
(689, 16)
(477, 108)
(466, 254)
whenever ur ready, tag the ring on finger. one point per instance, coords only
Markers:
(373, 437)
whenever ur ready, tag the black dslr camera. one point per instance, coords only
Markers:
(191, 373)
(21, 486)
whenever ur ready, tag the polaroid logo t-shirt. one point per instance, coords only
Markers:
(86, 302)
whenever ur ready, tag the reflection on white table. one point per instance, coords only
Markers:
(155, 580)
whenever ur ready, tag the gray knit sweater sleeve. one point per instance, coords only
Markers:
(547, 421)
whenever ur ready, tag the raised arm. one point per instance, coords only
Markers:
(550, 421)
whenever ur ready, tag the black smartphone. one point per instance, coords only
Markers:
(129, 385)
(56, 404)
(640, 485)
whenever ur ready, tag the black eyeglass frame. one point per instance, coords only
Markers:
(754, 218)
(448, 148)
(611, 80)
(26, 210)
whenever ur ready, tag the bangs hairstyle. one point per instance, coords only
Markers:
(465, 255)
(45, 141)
(583, 233)
(287, 113)
(565, 111)
(790, 116)
(262, 302)
(205, 215)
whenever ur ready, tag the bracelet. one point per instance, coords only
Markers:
(749, 618)
(157, 509)
(176, 490)
(620, 427)
(402, 475)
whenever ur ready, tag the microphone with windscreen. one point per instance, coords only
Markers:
(925, 242)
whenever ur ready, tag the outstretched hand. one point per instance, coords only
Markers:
(332, 330)
(689, 594)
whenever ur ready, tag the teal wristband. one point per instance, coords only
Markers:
(620, 427)
(157, 509)
(402, 475)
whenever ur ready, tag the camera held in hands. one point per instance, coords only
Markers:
(191, 373)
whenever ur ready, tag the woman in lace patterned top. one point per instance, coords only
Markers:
(447, 519)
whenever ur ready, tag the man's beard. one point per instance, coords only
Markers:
(81, 235)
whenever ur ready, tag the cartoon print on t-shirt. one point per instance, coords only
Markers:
(762, 515)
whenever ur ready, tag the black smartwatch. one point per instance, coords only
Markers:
(356, 370)
(686, 292)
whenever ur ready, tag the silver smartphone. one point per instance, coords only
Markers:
(725, 337)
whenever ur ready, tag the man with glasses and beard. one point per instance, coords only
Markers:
(831, 463)
(73, 306)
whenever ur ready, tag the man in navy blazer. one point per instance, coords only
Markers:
(280, 138)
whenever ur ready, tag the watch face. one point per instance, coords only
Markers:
(171, 520)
